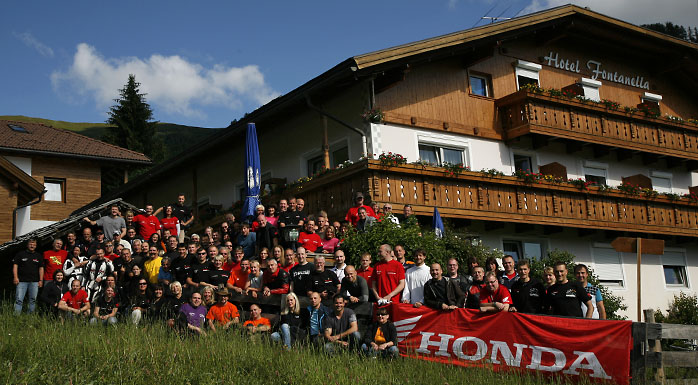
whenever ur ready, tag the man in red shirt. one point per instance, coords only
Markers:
(353, 213)
(365, 270)
(74, 303)
(308, 239)
(147, 223)
(54, 259)
(388, 277)
(494, 297)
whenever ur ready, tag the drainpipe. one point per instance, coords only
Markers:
(340, 121)
(14, 213)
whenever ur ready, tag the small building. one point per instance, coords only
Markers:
(46, 173)
(606, 110)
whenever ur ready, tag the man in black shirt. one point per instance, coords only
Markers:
(441, 293)
(181, 265)
(267, 234)
(566, 297)
(27, 271)
(323, 281)
(199, 269)
(300, 274)
(354, 288)
(527, 293)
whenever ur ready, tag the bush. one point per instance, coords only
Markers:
(412, 237)
(683, 309)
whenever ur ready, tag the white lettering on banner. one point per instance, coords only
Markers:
(442, 344)
(598, 73)
(583, 360)
(479, 354)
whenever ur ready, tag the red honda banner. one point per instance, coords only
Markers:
(571, 347)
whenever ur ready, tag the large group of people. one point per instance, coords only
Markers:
(140, 268)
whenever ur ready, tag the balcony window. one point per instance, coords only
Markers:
(591, 89)
(480, 85)
(608, 267)
(661, 181)
(595, 172)
(674, 264)
(523, 162)
(339, 153)
(436, 155)
(527, 73)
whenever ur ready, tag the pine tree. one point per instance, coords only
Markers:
(131, 124)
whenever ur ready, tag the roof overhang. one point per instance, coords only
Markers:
(28, 188)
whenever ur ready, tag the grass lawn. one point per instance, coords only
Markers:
(38, 350)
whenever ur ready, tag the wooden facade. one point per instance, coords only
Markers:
(8, 201)
(82, 186)
(474, 195)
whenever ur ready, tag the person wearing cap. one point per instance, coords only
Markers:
(116, 238)
(353, 213)
(222, 314)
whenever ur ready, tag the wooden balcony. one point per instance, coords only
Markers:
(524, 113)
(473, 195)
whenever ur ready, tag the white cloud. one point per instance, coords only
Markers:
(30, 41)
(682, 12)
(171, 82)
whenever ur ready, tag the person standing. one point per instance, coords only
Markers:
(111, 223)
(581, 272)
(526, 293)
(54, 259)
(183, 213)
(565, 297)
(494, 297)
(353, 213)
(388, 279)
(27, 271)
(415, 278)
(147, 223)
(509, 277)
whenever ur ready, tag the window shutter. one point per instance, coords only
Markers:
(607, 264)
(673, 258)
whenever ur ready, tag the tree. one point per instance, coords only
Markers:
(131, 124)
(670, 29)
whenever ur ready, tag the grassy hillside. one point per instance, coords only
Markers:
(176, 137)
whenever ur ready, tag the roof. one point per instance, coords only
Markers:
(48, 233)
(515, 24)
(30, 187)
(37, 138)
(366, 65)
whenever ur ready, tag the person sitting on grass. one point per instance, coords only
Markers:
(207, 297)
(291, 326)
(54, 291)
(257, 325)
(106, 308)
(74, 303)
(192, 316)
(174, 302)
(140, 301)
(381, 337)
(222, 314)
(341, 328)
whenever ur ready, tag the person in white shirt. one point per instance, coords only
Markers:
(415, 278)
(339, 264)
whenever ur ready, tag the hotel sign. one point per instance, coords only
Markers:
(597, 71)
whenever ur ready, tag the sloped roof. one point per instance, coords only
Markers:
(515, 24)
(29, 187)
(40, 138)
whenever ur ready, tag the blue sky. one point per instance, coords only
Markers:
(206, 63)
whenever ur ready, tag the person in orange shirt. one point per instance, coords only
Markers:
(256, 325)
(239, 278)
(222, 314)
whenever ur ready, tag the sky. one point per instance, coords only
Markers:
(209, 62)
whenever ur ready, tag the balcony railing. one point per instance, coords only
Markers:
(474, 195)
(525, 112)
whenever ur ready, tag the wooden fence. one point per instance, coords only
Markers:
(648, 361)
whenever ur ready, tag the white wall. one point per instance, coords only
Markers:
(24, 224)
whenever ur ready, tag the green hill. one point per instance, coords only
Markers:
(176, 137)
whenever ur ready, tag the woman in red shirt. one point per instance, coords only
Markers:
(170, 222)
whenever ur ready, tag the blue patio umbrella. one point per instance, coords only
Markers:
(437, 223)
(252, 172)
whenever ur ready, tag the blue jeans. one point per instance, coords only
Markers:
(353, 339)
(284, 334)
(390, 352)
(24, 288)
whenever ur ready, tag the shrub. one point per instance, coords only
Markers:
(683, 309)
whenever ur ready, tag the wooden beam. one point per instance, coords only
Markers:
(584, 232)
(493, 225)
(539, 141)
(573, 146)
(648, 159)
(673, 162)
(523, 228)
(547, 230)
(601, 151)
(622, 154)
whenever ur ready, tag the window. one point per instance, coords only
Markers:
(523, 162)
(315, 165)
(437, 155)
(661, 181)
(651, 98)
(591, 89)
(339, 156)
(530, 250)
(480, 84)
(55, 189)
(17, 128)
(608, 267)
(527, 73)
(674, 264)
(339, 153)
(595, 172)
